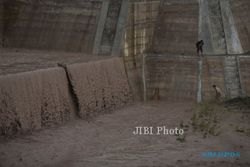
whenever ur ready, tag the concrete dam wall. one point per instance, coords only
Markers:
(177, 27)
(51, 24)
(166, 30)
(173, 78)
(37, 99)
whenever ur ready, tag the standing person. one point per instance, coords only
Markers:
(219, 95)
(199, 46)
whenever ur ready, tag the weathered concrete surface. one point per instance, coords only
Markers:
(231, 34)
(1, 24)
(217, 27)
(177, 77)
(108, 142)
(141, 22)
(211, 27)
(100, 86)
(244, 64)
(213, 74)
(177, 27)
(100, 27)
(232, 77)
(110, 27)
(142, 18)
(120, 30)
(241, 12)
(51, 25)
(174, 76)
(33, 100)
(205, 32)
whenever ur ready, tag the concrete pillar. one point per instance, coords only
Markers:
(232, 38)
(205, 33)
(101, 26)
(120, 30)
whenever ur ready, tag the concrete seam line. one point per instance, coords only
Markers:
(72, 92)
(242, 89)
(100, 27)
(120, 28)
(144, 79)
(199, 89)
(233, 42)
(126, 72)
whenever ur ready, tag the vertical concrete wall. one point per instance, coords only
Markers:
(177, 27)
(172, 77)
(139, 32)
(142, 17)
(244, 64)
(241, 12)
(175, 77)
(213, 74)
(51, 25)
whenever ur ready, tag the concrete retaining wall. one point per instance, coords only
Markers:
(212, 74)
(175, 77)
